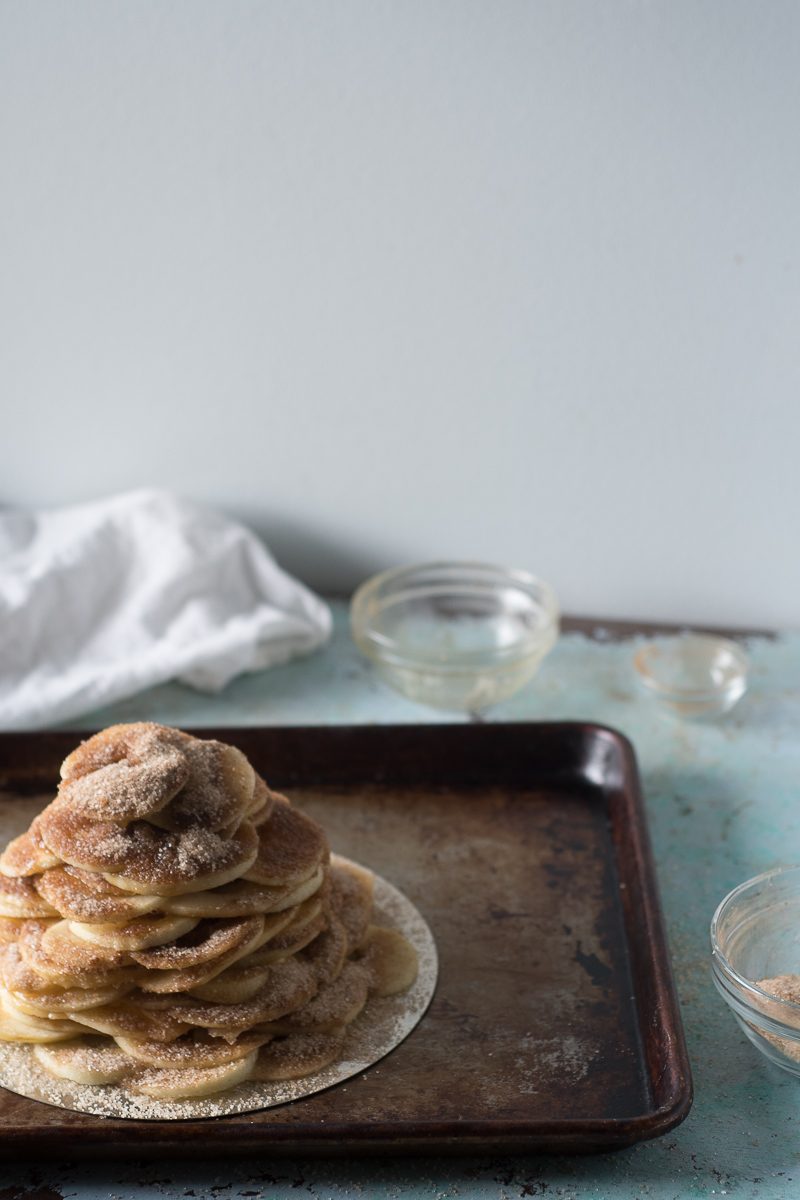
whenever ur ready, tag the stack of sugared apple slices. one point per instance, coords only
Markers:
(171, 924)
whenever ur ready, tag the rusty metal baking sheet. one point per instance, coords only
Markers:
(555, 1026)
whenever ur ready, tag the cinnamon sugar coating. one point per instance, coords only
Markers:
(171, 924)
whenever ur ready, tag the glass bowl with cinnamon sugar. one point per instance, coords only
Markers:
(755, 958)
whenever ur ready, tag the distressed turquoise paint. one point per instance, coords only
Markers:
(723, 804)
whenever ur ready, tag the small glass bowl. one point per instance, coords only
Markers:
(693, 674)
(455, 635)
(755, 936)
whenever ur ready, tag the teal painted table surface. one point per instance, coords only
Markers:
(722, 801)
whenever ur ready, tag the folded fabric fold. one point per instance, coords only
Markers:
(99, 601)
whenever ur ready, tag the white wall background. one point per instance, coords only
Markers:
(514, 279)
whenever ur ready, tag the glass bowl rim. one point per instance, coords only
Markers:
(655, 685)
(387, 651)
(719, 957)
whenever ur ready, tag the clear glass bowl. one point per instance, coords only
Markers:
(455, 635)
(693, 674)
(755, 953)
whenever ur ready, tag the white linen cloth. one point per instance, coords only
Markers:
(101, 600)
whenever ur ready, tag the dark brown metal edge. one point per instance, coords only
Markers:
(105, 1145)
(664, 1041)
(671, 1085)
(621, 631)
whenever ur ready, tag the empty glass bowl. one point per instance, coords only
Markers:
(755, 956)
(693, 674)
(455, 635)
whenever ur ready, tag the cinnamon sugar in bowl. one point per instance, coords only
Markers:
(755, 962)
